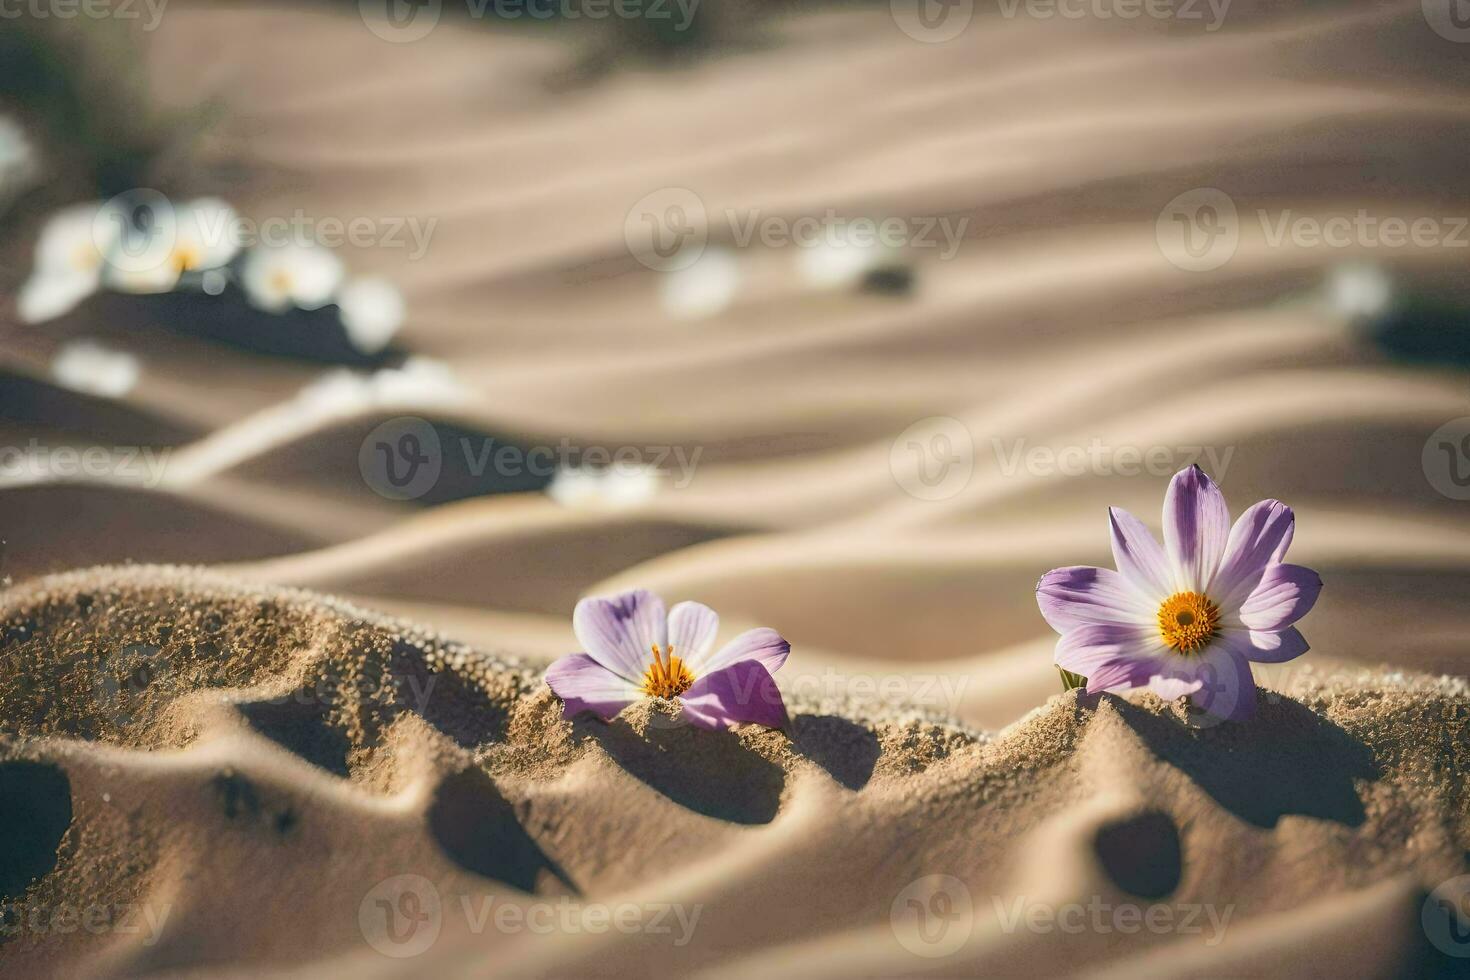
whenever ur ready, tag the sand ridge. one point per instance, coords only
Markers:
(227, 743)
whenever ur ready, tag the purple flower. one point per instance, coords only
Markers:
(634, 651)
(1190, 617)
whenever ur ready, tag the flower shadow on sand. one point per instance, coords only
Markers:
(846, 751)
(712, 773)
(478, 828)
(1289, 760)
(719, 775)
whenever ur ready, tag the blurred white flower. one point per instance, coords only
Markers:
(45, 298)
(621, 485)
(417, 381)
(372, 311)
(18, 164)
(200, 236)
(278, 277)
(1359, 290)
(84, 366)
(70, 253)
(705, 288)
(843, 257)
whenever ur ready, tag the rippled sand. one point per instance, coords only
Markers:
(302, 750)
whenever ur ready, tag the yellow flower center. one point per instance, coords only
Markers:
(187, 258)
(86, 257)
(1188, 621)
(667, 677)
(281, 281)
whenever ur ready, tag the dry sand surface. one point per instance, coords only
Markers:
(223, 731)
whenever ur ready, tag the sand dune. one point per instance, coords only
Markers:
(257, 768)
(290, 754)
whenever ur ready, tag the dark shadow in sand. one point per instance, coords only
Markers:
(478, 828)
(230, 320)
(847, 751)
(1141, 853)
(301, 722)
(1424, 330)
(240, 800)
(35, 810)
(447, 700)
(711, 773)
(1285, 760)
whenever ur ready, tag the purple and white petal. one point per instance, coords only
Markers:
(1259, 537)
(692, 629)
(1285, 594)
(1081, 594)
(619, 631)
(1139, 558)
(763, 645)
(742, 693)
(1266, 646)
(1118, 676)
(1227, 688)
(586, 685)
(1087, 649)
(1196, 527)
